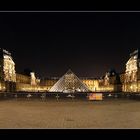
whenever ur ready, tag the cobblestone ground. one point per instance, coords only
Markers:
(114, 113)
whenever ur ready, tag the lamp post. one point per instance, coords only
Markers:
(57, 97)
(43, 96)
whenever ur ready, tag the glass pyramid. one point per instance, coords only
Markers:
(69, 83)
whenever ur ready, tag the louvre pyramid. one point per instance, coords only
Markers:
(69, 83)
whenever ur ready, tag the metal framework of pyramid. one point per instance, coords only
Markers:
(69, 83)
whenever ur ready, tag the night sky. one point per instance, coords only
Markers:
(87, 43)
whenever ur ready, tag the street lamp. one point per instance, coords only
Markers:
(57, 97)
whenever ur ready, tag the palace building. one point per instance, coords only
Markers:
(11, 81)
(7, 71)
(132, 73)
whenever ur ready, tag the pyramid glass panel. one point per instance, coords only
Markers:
(69, 83)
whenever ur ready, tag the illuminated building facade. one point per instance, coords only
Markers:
(129, 81)
(91, 83)
(49, 82)
(7, 70)
(28, 83)
(132, 73)
(7, 66)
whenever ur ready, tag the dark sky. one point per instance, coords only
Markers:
(87, 43)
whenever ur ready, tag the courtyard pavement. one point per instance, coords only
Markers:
(111, 113)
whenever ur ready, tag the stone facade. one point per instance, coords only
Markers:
(132, 73)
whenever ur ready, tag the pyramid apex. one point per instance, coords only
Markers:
(69, 71)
